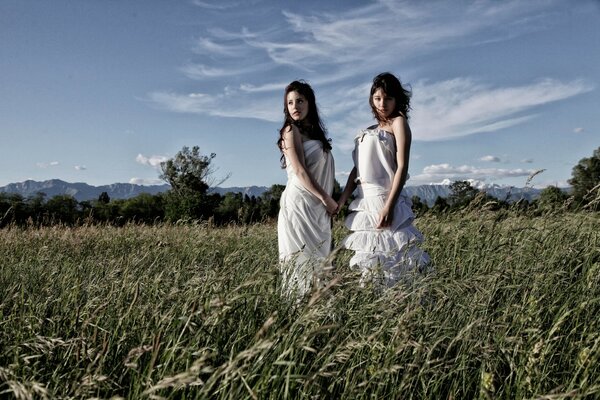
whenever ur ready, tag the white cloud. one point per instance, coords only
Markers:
(221, 5)
(490, 158)
(310, 40)
(331, 49)
(527, 160)
(80, 167)
(227, 104)
(268, 87)
(462, 106)
(341, 45)
(47, 164)
(209, 46)
(202, 71)
(144, 181)
(153, 161)
(439, 172)
(447, 109)
(579, 130)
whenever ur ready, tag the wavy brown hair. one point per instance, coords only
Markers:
(391, 86)
(311, 126)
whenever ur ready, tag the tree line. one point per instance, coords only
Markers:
(190, 175)
(144, 208)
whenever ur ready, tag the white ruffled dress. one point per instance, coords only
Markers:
(383, 255)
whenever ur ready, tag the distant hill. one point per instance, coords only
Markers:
(79, 190)
(82, 191)
(428, 193)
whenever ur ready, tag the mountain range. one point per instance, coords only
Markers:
(82, 191)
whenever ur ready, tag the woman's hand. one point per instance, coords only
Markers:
(386, 215)
(331, 205)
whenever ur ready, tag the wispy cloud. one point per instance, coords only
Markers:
(462, 106)
(209, 46)
(201, 71)
(45, 165)
(153, 161)
(353, 38)
(579, 130)
(220, 105)
(214, 5)
(145, 181)
(441, 172)
(348, 43)
(80, 167)
(490, 158)
(331, 50)
(451, 108)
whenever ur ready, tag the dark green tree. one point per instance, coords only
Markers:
(418, 207)
(250, 212)
(552, 198)
(337, 189)
(143, 208)
(188, 171)
(12, 209)
(105, 212)
(440, 205)
(190, 175)
(462, 194)
(230, 208)
(270, 201)
(63, 208)
(36, 207)
(585, 179)
(104, 198)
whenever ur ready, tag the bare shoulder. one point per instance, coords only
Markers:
(292, 137)
(288, 129)
(400, 128)
(289, 132)
(400, 125)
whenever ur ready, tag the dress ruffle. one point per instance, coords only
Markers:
(365, 213)
(382, 255)
(387, 254)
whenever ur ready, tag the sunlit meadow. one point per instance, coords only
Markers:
(195, 312)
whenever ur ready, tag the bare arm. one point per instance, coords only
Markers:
(348, 189)
(403, 138)
(294, 152)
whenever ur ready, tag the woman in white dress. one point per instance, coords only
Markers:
(304, 222)
(383, 237)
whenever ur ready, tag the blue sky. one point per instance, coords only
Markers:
(102, 91)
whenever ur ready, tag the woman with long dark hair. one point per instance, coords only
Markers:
(304, 223)
(383, 237)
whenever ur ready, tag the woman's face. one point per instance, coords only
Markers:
(383, 103)
(297, 106)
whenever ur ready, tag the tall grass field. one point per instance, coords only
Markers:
(512, 311)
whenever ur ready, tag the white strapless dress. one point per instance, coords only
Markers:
(385, 254)
(303, 225)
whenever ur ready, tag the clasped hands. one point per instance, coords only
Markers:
(332, 206)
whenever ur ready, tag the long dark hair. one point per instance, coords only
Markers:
(393, 88)
(311, 126)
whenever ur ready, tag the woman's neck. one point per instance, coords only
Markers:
(385, 126)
